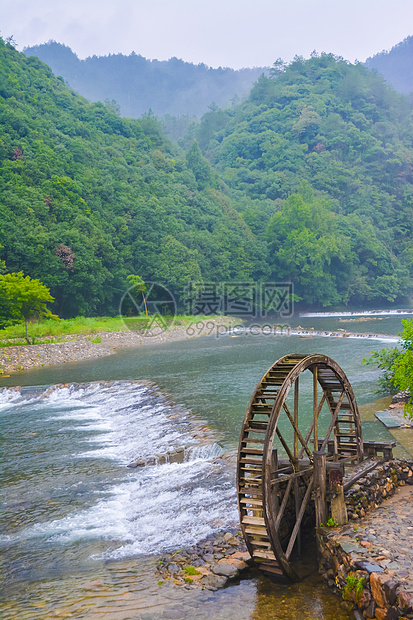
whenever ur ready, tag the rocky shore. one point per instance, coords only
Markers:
(210, 564)
(76, 348)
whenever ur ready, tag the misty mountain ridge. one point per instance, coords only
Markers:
(396, 65)
(139, 85)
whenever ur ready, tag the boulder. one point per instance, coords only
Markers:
(225, 570)
(405, 602)
(390, 591)
(213, 582)
(376, 581)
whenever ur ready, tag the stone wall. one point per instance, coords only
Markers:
(374, 487)
(370, 584)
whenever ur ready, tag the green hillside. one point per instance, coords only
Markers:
(310, 181)
(324, 150)
(87, 198)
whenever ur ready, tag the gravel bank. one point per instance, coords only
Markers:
(75, 348)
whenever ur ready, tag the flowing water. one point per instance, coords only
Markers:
(81, 531)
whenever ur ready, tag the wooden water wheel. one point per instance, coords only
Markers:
(279, 447)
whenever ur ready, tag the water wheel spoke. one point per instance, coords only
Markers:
(333, 422)
(296, 431)
(284, 445)
(310, 430)
(299, 519)
(283, 504)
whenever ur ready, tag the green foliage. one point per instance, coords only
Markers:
(96, 340)
(199, 166)
(309, 179)
(136, 282)
(384, 360)
(402, 366)
(353, 584)
(397, 365)
(45, 328)
(329, 523)
(23, 298)
(52, 330)
(304, 240)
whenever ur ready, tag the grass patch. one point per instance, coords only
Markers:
(191, 570)
(55, 328)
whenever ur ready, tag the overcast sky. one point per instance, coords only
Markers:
(233, 33)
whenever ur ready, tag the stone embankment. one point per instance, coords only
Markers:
(210, 564)
(76, 348)
(370, 560)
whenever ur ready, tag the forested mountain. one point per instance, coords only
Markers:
(87, 198)
(172, 87)
(309, 180)
(324, 149)
(396, 65)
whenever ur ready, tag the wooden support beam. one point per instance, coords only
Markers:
(315, 408)
(296, 391)
(320, 476)
(310, 430)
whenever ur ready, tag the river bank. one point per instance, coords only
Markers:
(80, 347)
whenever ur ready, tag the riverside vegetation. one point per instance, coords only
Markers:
(309, 180)
(396, 365)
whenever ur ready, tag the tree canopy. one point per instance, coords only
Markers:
(22, 298)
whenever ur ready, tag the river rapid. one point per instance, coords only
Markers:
(81, 531)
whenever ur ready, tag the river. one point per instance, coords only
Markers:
(81, 531)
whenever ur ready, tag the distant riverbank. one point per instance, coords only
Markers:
(79, 347)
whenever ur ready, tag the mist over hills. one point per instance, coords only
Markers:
(138, 85)
(182, 89)
(396, 65)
